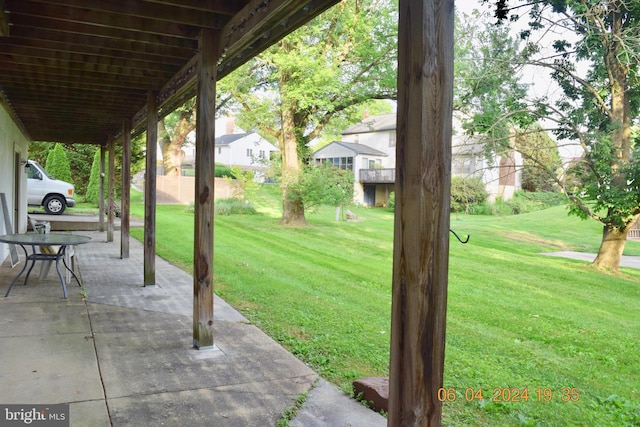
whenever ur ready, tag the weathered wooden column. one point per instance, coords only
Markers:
(150, 192)
(421, 236)
(111, 188)
(125, 207)
(205, 162)
(101, 191)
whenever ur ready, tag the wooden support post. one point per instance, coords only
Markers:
(111, 188)
(125, 206)
(101, 191)
(421, 231)
(205, 161)
(150, 192)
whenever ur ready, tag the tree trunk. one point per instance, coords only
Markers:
(171, 147)
(292, 205)
(611, 247)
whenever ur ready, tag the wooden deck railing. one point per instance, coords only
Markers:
(378, 176)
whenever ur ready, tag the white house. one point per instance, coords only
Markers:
(235, 147)
(248, 150)
(13, 177)
(362, 159)
(369, 149)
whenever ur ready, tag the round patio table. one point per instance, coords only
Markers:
(44, 240)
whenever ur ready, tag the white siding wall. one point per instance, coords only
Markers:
(253, 141)
(12, 141)
(378, 140)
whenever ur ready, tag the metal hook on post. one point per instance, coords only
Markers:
(464, 242)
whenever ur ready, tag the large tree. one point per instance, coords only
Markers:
(172, 136)
(324, 70)
(594, 61)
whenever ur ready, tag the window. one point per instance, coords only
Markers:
(219, 150)
(249, 152)
(392, 139)
(338, 162)
(262, 154)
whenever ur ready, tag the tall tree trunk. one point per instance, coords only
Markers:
(171, 147)
(614, 239)
(292, 205)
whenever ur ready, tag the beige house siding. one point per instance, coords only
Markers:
(181, 189)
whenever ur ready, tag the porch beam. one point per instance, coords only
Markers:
(125, 207)
(111, 188)
(150, 191)
(101, 191)
(205, 162)
(421, 224)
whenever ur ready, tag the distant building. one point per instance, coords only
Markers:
(369, 149)
(234, 147)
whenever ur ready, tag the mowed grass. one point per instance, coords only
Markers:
(516, 319)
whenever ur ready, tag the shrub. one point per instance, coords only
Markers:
(233, 206)
(58, 164)
(467, 194)
(94, 180)
(222, 171)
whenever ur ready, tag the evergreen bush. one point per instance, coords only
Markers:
(57, 163)
(93, 187)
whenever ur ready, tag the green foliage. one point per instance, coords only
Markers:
(79, 156)
(93, 187)
(222, 171)
(80, 159)
(467, 194)
(541, 159)
(233, 206)
(58, 164)
(610, 191)
(326, 185)
(487, 85)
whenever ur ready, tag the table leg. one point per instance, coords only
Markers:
(64, 285)
(64, 261)
(24, 267)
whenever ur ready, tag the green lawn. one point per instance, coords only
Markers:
(515, 318)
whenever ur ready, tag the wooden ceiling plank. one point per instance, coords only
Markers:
(80, 28)
(43, 35)
(100, 19)
(33, 56)
(223, 7)
(93, 73)
(169, 13)
(16, 77)
(95, 50)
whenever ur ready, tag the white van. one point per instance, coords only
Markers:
(45, 190)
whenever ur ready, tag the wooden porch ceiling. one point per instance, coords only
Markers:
(72, 70)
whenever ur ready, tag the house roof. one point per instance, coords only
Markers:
(229, 138)
(356, 148)
(72, 70)
(380, 123)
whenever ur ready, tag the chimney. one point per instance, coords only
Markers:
(231, 124)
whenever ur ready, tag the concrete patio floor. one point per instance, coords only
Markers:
(124, 357)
